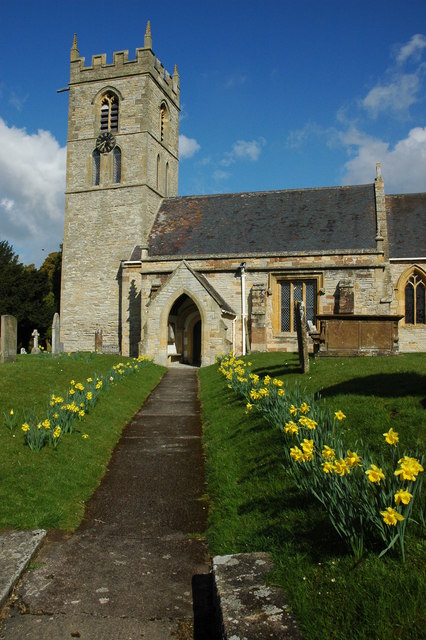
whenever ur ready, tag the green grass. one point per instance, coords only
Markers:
(49, 489)
(255, 505)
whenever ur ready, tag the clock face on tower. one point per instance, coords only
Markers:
(105, 142)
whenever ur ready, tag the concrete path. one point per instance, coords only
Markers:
(137, 567)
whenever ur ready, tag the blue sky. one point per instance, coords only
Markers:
(274, 95)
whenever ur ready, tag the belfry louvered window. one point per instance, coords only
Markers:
(163, 121)
(109, 113)
(301, 291)
(415, 300)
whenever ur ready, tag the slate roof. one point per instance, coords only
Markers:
(334, 218)
(407, 225)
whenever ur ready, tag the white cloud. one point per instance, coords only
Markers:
(403, 165)
(187, 147)
(244, 150)
(413, 48)
(400, 89)
(32, 184)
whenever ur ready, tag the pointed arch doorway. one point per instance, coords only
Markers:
(184, 332)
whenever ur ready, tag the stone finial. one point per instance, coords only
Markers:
(147, 44)
(176, 73)
(75, 54)
(378, 171)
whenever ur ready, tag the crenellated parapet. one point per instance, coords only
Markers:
(144, 62)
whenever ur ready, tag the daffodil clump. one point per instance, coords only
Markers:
(369, 502)
(63, 412)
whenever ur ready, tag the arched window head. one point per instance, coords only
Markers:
(116, 164)
(109, 112)
(164, 121)
(96, 167)
(415, 290)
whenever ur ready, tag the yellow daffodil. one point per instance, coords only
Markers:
(375, 474)
(25, 427)
(391, 437)
(293, 410)
(328, 453)
(391, 516)
(304, 408)
(57, 432)
(281, 393)
(409, 468)
(403, 496)
(327, 467)
(291, 428)
(84, 436)
(339, 415)
(341, 468)
(353, 459)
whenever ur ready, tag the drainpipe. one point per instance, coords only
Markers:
(243, 304)
(233, 335)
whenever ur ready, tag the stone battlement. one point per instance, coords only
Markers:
(144, 62)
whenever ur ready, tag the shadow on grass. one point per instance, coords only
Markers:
(298, 520)
(277, 370)
(385, 385)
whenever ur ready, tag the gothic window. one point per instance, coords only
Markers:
(109, 113)
(164, 120)
(297, 290)
(158, 173)
(166, 181)
(415, 289)
(116, 164)
(96, 167)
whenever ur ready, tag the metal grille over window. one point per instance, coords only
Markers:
(285, 306)
(297, 290)
(116, 165)
(109, 113)
(96, 167)
(415, 300)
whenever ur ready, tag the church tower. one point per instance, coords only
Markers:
(122, 159)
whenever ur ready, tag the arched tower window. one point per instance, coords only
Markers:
(164, 121)
(96, 167)
(116, 164)
(109, 113)
(414, 293)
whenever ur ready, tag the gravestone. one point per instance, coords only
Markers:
(35, 334)
(302, 335)
(56, 338)
(98, 340)
(8, 338)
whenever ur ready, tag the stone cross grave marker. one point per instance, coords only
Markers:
(35, 334)
(302, 335)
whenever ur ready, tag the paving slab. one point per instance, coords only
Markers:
(137, 567)
(17, 548)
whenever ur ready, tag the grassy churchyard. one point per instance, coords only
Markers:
(262, 499)
(48, 488)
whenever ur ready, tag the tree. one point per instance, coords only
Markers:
(30, 294)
